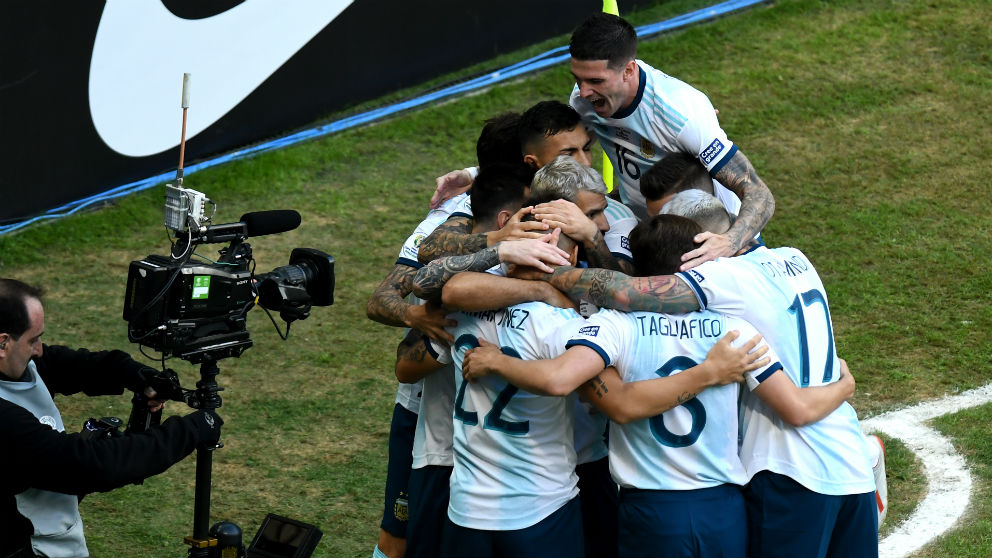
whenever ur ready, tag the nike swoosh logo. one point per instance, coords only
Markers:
(141, 51)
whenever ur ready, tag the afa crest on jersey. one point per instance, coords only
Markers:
(401, 508)
(647, 149)
(417, 240)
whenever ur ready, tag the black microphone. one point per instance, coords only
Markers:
(261, 223)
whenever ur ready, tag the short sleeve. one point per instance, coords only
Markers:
(603, 332)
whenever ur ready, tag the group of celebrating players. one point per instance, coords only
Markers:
(585, 377)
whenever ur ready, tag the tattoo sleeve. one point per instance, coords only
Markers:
(429, 281)
(612, 289)
(412, 348)
(451, 238)
(387, 305)
(598, 254)
(757, 202)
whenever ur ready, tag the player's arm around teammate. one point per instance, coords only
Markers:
(578, 365)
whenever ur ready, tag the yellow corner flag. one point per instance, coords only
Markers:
(610, 7)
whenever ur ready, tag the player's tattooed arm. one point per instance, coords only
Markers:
(430, 279)
(387, 305)
(612, 289)
(624, 402)
(451, 238)
(757, 207)
(627, 402)
(413, 360)
(598, 254)
(757, 201)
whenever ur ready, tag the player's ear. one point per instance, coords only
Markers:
(502, 218)
(629, 70)
(531, 161)
(573, 257)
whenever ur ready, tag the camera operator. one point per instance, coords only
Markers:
(44, 469)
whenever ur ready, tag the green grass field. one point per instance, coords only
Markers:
(869, 121)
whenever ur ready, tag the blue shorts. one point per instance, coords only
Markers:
(787, 519)
(558, 535)
(396, 512)
(709, 522)
(429, 491)
(599, 497)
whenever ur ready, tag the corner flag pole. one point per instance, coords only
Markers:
(610, 7)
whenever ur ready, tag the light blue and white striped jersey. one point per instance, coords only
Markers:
(689, 447)
(666, 115)
(514, 451)
(779, 292)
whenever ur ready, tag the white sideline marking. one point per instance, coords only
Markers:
(948, 479)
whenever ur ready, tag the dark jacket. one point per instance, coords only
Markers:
(37, 456)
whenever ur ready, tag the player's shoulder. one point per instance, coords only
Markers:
(616, 211)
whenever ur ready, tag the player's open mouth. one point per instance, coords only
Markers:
(598, 103)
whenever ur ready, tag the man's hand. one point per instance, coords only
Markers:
(554, 297)
(541, 254)
(480, 361)
(569, 218)
(515, 230)
(432, 320)
(154, 404)
(714, 246)
(449, 186)
(730, 363)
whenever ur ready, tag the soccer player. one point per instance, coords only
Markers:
(478, 523)
(498, 194)
(579, 206)
(639, 114)
(600, 492)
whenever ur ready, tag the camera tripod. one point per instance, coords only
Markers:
(203, 543)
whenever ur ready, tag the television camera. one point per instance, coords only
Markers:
(194, 309)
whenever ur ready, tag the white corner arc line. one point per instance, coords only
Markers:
(948, 479)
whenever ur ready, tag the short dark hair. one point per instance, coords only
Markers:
(544, 120)
(604, 36)
(499, 187)
(675, 172)
(657, 244)
(498, 141)
(14, 318)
